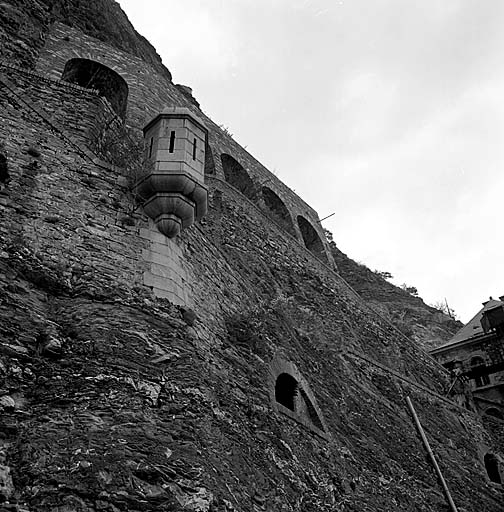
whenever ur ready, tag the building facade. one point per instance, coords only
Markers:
(476, 355)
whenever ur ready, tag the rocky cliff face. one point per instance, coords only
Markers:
(24, 25)
(424, 324)
(114, 399)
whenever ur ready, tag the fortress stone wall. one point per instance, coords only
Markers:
(149, 92)
(227, 369)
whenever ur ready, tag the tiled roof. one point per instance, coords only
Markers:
(472, 328)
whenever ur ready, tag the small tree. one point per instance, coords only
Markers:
(383, 274)
(443, 307)
(328, 235)
(410, 289)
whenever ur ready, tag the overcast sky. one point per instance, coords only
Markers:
(388, 113)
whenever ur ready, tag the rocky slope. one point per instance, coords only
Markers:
(426, 325)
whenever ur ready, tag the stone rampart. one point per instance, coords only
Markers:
(149, 92)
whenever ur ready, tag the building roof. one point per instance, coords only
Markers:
(473, 328)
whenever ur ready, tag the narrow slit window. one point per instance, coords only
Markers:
(172, 141)
(151, 146)
(194, 149)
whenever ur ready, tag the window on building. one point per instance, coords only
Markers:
(492, 468)
(172, 141)
(151, 145)
(481, 378)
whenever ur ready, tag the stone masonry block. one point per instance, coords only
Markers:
(155, 257)
(153, 235)
(169, 166)
(149, 279)
(171, 296)
(177, 155)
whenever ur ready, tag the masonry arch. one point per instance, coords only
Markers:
(93, 75)
(238, 177)
(286, 390)
(290, 393)
(492, 468)
(311, 238)
(277, 209)
(291, 396)
(209, 160)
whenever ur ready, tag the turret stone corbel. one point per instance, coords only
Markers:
(173, 192)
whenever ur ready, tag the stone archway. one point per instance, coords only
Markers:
(238, 177)
(286, 389)
(291, 396)
(277, 210)
(492, 468)
(311, 239)
(209, 160)
(93, 75)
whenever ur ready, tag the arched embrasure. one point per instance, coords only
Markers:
(291, 391)
(278, 210)
(93, 75)
(311, 239)
(238, 177)
(209, 160)
(492, 468)
(286, 389)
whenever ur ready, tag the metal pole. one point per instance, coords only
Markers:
(452, 385)
(431, 455)
(327, 217)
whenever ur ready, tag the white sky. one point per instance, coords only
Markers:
(389, 113)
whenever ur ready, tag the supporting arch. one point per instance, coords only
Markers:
(238, 177)
(311, 238)
(277, 210)
(492, 468)
(209, 160)
(93, 75)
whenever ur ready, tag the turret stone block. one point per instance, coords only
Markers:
(173, 192)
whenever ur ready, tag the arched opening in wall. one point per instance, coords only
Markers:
(311, 239)
(494, 412)
(238, 177)
(277, 209)
(290, 393)
(209, 160)
(286, 389)
(492, 468)
(481, 378)
(93, 75)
